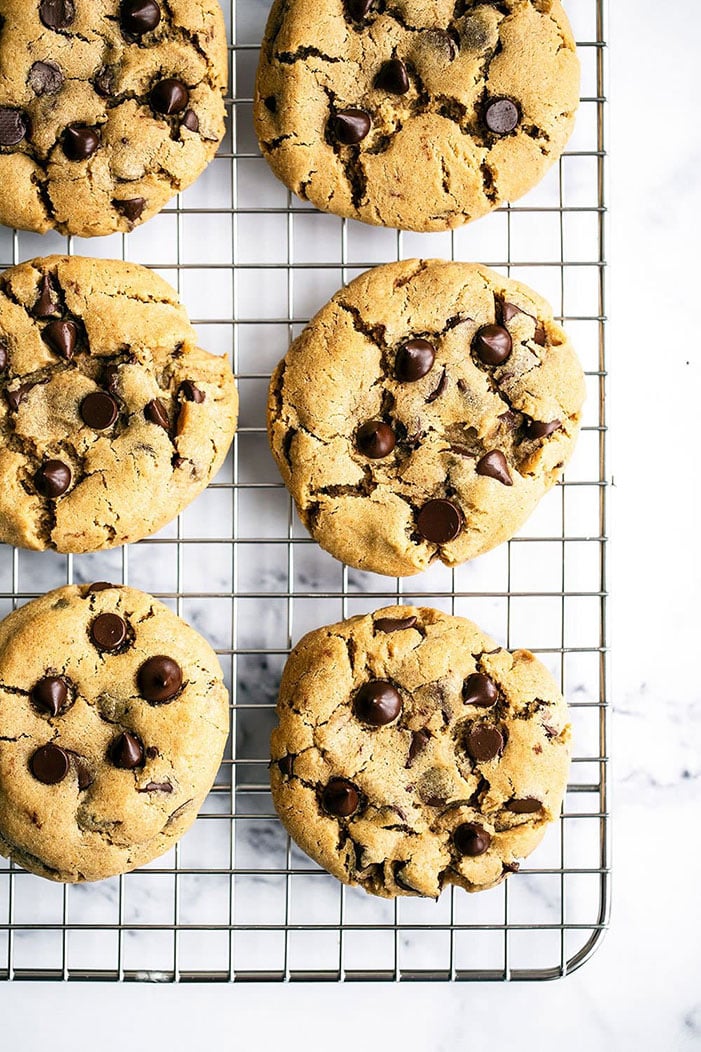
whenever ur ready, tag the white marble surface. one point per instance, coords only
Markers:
(642, 989)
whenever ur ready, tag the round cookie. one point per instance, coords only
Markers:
(419, 114)
(111, 417)
(412, 752)
(423, 413)
(107, 108)
(113, 721)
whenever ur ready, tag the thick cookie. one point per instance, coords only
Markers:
(423, 413)
(417, 114)
(113, 720)
(107, 109)
(111, 417)
(413, 752)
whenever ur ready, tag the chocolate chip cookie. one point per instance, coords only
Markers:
(113, 721)
(111, 417)
(106, 109)
(423, 413)
(413, 752)
(415, 114)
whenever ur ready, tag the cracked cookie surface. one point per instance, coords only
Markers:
(423, 413)
(113, 721)
(417, 114)
(107, 108)
(112, 419)
(413, 752)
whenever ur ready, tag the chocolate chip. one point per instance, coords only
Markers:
(79, 142)
(4, 355)
(440, 521)
(414, 359)
(108, 632)
(178, 462)
(393, 77)
(160, 678)
(139, 16)
(85, 775)
(169, 96)
(471, 839)
(511, 867)
(270, 104)
(535, 429)
(527, 806)
(340, 797)
(14, 125)
(132, 208)
(191, 393)
(501, 116)
(419, 741)
(156, 787)
(61, 337)
(375, 439)
(45, 78)
(478, 689)
(127, 752)
(191, 121)
(540, 336)
(378, 703)
(394, 624)
(357, 9)
(442, 42)
(157, 413)
(286, 765)
(100, 586)
(152, 752)
(439, 388)
(49, 764)
(494, 466)
(53, 478)
(50, 694)
(350, 126)
(56, 14)
(508, 311)
(484, 742)
(15, 398)
(492, 344)
(105, 80)
(99, 410)
(47, 300)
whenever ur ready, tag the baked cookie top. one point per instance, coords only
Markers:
(413, 752)
(423, 413)
(417, 114)
(113, 721)
(111, 417)
(107, 108)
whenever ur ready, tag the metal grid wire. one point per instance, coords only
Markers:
(235, 900)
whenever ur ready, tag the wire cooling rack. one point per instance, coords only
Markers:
(235, 900)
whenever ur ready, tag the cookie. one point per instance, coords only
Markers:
(413, 752)
(106, 110)
(423, 413)
(111, 417)
(113, 721)
(418, 115)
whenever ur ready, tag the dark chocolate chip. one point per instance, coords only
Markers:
(105, 80)
(286, 765)
(50, 694)
(509, 312)
(169, 96)
(178, 462)
(156, 787)
(414, 359)
(160, 678)
(439, 388)
(350, 126)
(139, 16)
(108, 632)
(152, 752)
(441, 41)
(47, 302)
(15, 398)
(53, 478)
(132, 208)
(61, 337)
(14, 125)
(45, 78)
(471, 839)
(419, 741)
(49, 764)
(270, 104)
(56, 14)
(191, 393)
(440, 521)
(157, 413)
(478, 689)
(527, 806)
(378, 703)
(393, 77)
(535, 429)
(484, 742)
(394, 624)
(375, 439)
(540, 336)
(85, 775)
(357, 9)
(340, 797)
(99, 410)
(127, 752)
(492, 344)
(4, 355)
(79, 142)
(511, 867)
(191, 121)
(501, 116)
(100, 586)
(494, 466)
